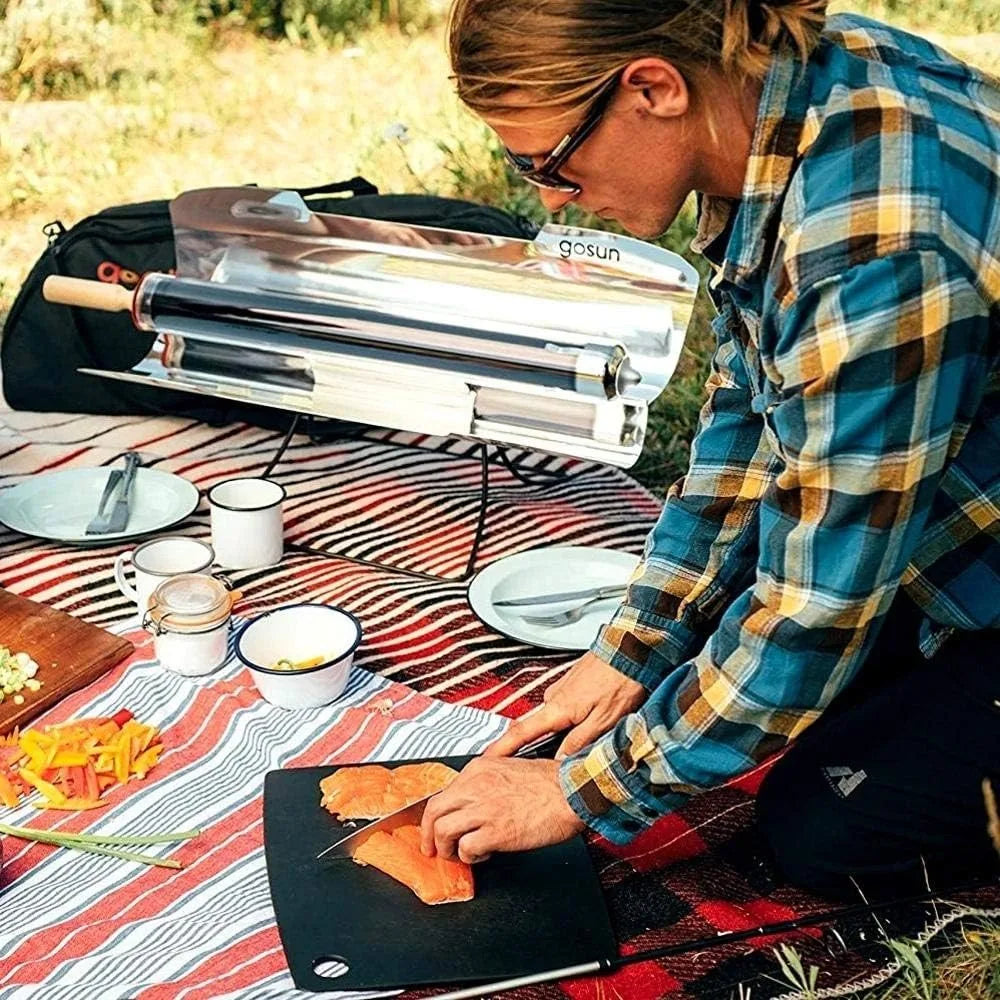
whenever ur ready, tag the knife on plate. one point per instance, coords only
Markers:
(613, 590)
(413, 814)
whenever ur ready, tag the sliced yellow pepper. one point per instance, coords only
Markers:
(45, 787)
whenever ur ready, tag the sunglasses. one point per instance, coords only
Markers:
(547, 175)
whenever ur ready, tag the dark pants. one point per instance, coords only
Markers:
(886, 788)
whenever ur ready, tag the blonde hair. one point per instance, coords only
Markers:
(563, 51)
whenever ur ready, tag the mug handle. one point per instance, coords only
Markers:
(123, 585)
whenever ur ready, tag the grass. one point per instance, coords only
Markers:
(149, 107)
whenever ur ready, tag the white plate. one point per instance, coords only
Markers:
(59, 505)
(550, 571)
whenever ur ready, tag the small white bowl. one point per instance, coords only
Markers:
(300, 632)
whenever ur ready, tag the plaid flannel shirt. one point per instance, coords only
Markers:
(850, 442)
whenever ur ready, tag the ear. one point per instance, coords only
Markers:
(658, 85)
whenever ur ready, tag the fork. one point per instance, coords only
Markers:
(567, 617)
(100, 522)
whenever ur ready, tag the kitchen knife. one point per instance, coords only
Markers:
(347, 847)
(120, 513)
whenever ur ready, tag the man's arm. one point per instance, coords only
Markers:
(699, 555)
(881, 366)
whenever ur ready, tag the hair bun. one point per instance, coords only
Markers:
(753, 29)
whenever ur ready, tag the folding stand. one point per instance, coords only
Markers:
(532, 477)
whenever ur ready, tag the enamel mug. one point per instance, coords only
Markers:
(247, 528)
(158, 560)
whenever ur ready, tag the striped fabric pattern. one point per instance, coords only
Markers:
(81, 927)
(395, 499)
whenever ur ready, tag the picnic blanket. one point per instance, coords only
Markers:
(81, 927)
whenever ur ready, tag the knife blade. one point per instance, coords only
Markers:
(348, 846)
(611, 590)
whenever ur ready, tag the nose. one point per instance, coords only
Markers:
(554, 200)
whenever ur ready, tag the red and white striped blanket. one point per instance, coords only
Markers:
(82, 927)
(77, 927)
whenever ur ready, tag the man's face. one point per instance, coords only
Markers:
(633, 167)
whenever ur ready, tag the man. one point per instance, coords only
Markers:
(826, 577)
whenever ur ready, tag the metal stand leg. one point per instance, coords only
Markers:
(530, 477)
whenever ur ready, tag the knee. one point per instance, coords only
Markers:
(810, 840)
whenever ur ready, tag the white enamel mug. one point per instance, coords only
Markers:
(156, 560)
(247, 528)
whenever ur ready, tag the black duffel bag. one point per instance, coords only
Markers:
(43, 344)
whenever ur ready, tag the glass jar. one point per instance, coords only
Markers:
(189, 616)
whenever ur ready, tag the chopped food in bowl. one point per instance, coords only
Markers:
(300, 656)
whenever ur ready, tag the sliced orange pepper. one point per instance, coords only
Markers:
(147, 760)
(8, 793)
(123, 761)
(75, 762)
(74, 803)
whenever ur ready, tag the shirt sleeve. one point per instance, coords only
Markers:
(701, 551)
(879, 367)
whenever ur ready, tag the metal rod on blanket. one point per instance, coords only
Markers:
(605, 965)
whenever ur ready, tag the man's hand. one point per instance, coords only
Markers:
(588, 700)
(498, 805)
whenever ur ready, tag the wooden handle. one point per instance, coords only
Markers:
(87, 294)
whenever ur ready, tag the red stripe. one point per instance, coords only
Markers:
(62, 460)
(208, 980)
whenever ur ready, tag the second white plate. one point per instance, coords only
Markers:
(550, 571)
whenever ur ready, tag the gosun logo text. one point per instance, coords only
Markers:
(578, 249)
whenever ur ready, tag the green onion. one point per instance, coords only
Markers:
(97, 838)
(90, 843)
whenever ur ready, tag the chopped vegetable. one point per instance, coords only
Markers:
(74, 763)
(17, 672)
(95, 843)
(313, 661)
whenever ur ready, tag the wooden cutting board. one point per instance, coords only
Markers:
(70, 653)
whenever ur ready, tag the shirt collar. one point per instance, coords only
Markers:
(733, 234)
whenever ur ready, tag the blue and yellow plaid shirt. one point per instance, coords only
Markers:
(850, 441)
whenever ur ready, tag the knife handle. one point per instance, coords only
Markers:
(545, 747)
(128, 477)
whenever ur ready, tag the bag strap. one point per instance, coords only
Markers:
(357, 186)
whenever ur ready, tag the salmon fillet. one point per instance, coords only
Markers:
(358, 792)
(371, 790)
(433, 880)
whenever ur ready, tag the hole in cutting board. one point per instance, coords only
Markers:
(330, 966)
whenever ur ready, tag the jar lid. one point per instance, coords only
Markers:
(188, 602)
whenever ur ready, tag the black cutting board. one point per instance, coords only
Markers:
(533, 911)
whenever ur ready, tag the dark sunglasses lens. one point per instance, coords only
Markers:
(525, 167)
